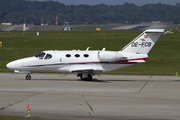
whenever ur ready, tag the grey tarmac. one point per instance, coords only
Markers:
(106, 97)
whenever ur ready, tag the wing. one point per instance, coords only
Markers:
(89, 71)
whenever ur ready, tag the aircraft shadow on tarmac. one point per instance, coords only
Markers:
(176, 80)
(99, 81)
(93, 80)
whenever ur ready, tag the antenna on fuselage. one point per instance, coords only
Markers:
(88, 48)
(103, 49)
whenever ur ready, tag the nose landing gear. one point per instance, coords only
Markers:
(28, 77)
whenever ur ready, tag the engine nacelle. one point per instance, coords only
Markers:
(108, 56)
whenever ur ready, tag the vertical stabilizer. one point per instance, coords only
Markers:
(144, 42)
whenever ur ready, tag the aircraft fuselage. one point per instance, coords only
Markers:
(89, 62)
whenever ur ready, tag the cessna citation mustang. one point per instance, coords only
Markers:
(88, 63)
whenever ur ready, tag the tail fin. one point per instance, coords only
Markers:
(144, 42)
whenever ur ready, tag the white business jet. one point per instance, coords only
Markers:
(89, 62)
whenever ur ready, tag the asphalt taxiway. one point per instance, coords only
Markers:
(125, 97)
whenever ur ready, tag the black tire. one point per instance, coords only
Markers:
(28, 77)
(82, 78)
(89, 78)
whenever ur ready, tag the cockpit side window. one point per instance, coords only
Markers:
(40, 55)
(48, 56)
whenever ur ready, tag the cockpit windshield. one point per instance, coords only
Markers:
(40, 55)
(48, 56)
(43, 55)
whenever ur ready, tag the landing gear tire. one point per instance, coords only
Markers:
(82, 77)
(89, 78)
(28, 77)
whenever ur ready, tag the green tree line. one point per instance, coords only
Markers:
(16, 11)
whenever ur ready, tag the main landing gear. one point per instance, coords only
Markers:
(87, 77)
(28, 77)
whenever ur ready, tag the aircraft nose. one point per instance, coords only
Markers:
(11, 65)
(18, 64)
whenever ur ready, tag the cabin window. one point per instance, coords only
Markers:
(48, 56)
(86, 55)
(40, 55)
(77, 55)
(68, 55)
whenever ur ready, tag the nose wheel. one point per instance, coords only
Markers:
(28, 77)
